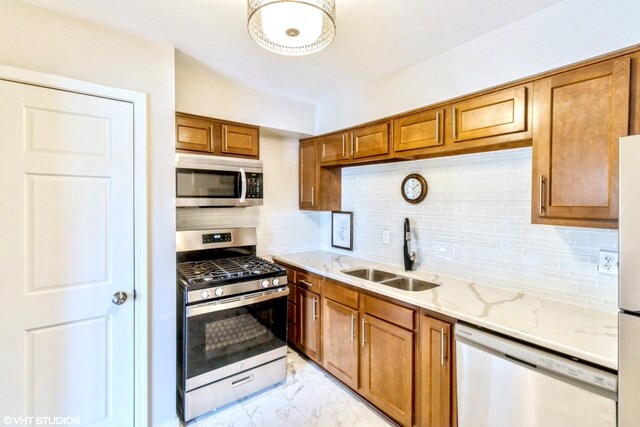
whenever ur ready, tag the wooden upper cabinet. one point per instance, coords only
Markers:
(309, 175)
(387, 368)
(503, 116)
(370, 141)
(579, 116)
(435, 404)
(416, 133)
(240, 140)
(340, 341)
(194, 134)
(333, 148)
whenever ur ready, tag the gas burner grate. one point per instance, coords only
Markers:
(212, 271)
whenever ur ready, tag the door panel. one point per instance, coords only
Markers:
(576, 155)
(387, 368)
(194, 134)
(435, 372)
(333, 148)
(370, 141)
(309, 323)
(418, 131)
(340, 341)
(309, 172)
(240, 140)
(66, 176)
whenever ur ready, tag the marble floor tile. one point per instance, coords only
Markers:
(308, 397)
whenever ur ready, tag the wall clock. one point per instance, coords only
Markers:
(414, 188)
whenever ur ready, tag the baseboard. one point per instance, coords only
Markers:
(171, 423)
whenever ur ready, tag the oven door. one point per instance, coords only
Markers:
(231, 335)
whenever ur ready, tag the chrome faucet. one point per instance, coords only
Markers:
(409, 256)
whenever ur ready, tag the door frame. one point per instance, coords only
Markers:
(141, 295)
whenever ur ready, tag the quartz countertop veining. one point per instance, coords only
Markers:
(585, 333)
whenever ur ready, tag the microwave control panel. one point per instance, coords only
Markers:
(254, 186)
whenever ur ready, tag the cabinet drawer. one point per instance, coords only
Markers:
(310, 283)
(390, 312)
(291, 312)
(292, 292)
(341, 294)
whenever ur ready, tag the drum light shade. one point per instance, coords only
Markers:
(292, 27)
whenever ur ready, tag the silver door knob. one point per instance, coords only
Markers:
(119, 298)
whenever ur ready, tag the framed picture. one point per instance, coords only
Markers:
(342, 230)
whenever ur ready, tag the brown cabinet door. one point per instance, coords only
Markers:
(333, 148)
(434, 405)
(309, 171)
(309, 332)
(340, 341)
(418, 131)
(370, 141)
(387, 368)
(194, 134)
(578, 117)
(240, 140)
(495, 114)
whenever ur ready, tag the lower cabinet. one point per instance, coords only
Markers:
(387, 368)
(399, 360)
(340, 341)
(309, 332)
(436, 392)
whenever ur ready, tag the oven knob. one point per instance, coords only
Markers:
(264, 283)
(276, 282)
(205, 294)
(218, 292)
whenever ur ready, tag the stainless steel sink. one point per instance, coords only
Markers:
(370, 274)
(409, 284)
(390, 279)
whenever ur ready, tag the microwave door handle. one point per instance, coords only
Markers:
(243, 186)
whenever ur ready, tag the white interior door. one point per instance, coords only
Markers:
(66, 230)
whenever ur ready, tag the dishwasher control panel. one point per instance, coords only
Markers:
(534, 358)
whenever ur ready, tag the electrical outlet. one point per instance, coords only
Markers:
(608, 263)
(385, 236)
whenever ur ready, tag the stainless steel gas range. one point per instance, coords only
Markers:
(231, 319)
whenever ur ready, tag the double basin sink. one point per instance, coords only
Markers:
(390, 279)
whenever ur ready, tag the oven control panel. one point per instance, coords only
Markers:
(216, 238)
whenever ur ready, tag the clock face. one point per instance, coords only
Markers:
(414, 188)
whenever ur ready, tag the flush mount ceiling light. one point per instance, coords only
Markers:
(292, 27)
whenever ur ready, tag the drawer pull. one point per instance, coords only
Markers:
(353, 327)
(364, 332)
(455, 130)
(541, 188)
(242, 381)
(314, 310)
(304, 282)
(443, 347)
(437, 127)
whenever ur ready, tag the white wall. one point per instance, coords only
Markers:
(565, 33)
(43, 41)
(200, 91)
(281, 226)
(475, 224)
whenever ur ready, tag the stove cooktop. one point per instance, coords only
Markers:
(227, 270)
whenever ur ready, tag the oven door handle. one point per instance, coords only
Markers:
(243, 185)
(234, 302)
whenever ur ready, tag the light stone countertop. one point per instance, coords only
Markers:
(581, 332)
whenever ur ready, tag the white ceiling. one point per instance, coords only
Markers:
(374, 38)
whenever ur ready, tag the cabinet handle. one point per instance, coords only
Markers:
(344, 153)
(353, 150)
(443, 347)
(242, 381)
(211, 138)
(364, 332)
(455, 131)
(438, 127)
(313, 196)
(313, 309)
(541, 189)
(304, 282)
(224, 138)
(353, 327)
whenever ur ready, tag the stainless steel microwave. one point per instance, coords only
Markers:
(213, 181)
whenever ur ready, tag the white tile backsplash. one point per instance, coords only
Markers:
(475, 224)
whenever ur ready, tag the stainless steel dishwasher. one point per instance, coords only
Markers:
(502, 383)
